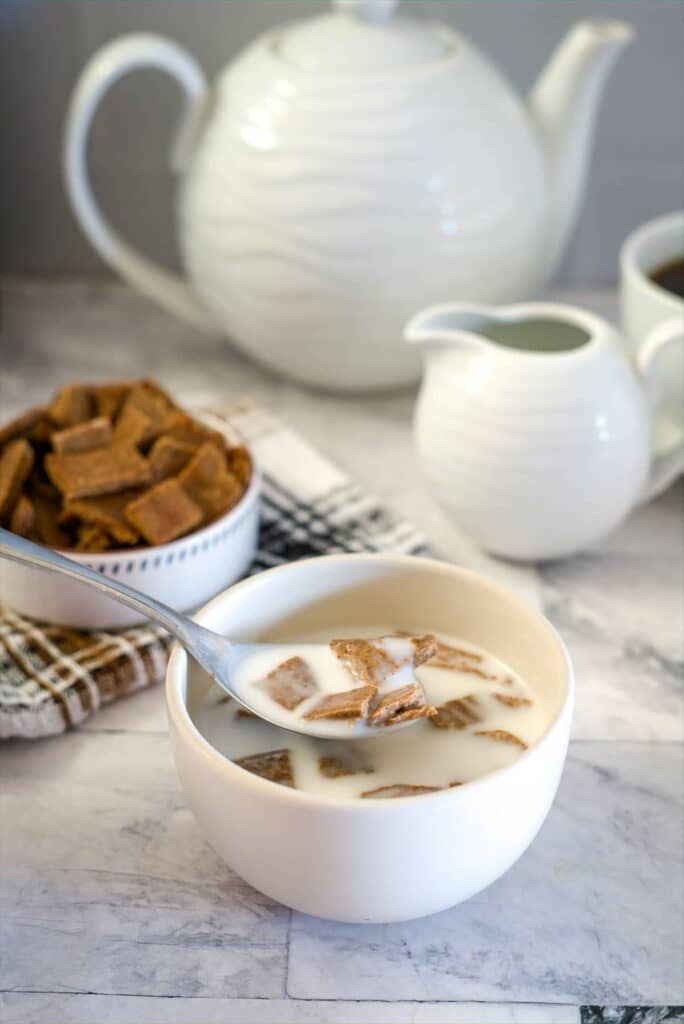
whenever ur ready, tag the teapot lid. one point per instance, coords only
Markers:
(361, 36)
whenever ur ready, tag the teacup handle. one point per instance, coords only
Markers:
(108, 65)
(667, 465)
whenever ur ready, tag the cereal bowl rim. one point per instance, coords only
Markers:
(177, 678)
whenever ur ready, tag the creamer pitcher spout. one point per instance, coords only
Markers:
(563, 104)
(450, 325)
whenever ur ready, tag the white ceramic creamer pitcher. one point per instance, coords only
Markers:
(533, 428)
(348, 169)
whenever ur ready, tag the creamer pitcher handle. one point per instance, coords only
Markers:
(108, 65)
(666, 465)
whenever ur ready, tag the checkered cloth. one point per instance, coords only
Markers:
(52, 678)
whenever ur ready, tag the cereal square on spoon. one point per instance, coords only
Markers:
(374, 661)
(401, 705)
(354, 703)
(289, 683)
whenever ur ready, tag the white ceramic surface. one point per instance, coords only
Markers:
(183, 574)
(536, 454)
(348, 169)
(381, 860)
(650, 312)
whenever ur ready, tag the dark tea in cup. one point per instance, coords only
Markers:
(670, 276)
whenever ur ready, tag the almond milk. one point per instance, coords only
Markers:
(487, 716)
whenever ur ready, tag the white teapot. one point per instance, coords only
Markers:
(348, 169)
(532, 427)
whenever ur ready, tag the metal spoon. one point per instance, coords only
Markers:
(215, 653)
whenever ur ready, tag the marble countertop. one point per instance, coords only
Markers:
(115, 909)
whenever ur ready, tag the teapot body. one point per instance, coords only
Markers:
(320, 211)
(536, 455)
(347, 169)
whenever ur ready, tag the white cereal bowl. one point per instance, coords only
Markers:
(183, 574)
(376, 860)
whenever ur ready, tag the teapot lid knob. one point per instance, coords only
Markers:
(370, 11)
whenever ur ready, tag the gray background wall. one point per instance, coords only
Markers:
(637, 169)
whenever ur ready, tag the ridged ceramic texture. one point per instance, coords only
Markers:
(534, 456)
(321, 211)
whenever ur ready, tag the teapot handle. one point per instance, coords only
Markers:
(109, 64)
(667, 464)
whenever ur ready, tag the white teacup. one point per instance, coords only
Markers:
(653, 318)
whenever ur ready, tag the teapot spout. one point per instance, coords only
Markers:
(452, 325)
(563, 104)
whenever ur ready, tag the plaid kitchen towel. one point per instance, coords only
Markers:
(52, 678)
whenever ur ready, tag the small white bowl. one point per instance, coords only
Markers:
(183, 574)
(376, 860)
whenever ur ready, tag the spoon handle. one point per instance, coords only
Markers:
(18, 549)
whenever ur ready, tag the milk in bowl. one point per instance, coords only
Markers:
(482, 716)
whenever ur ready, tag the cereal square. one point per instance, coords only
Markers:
(457, 659)
(184, 428)
(347, 704)
(511, 701)
(132, 426)
(92, 538)
(106, 512)
(149, 399)
(336, 766)
(72, 405)
(289, 683)
(46, 525)
(502, 736)
(163, 513)
(457, 714)
(95, 433)
(16, 463)
(109, 398)
(208, 482)
(101, 471)
(370, 662)
(22, 425)
(167, 456)
(23, 516)
(274, 765)
(404, 698)
(398, 789)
